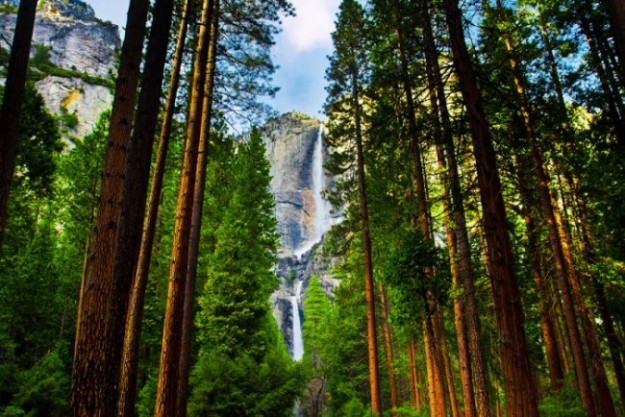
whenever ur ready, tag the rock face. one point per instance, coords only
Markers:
(76, 42)
(296, 152)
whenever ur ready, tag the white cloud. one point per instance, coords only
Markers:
(312, 26)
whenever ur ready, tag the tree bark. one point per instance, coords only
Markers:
(135, 188)
(372, 345)
(558, 239)
(543, 291)
(196, 217)
(574, 181)
(167, 390)
(388, 350)
(128, 377)
(442, 338)
(11, 109)
(95, 372)
(458, 242)
(521, 395)
(412, 371)
(432, 350)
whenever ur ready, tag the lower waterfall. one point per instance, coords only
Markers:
(298, 341)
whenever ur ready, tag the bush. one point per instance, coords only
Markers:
(565, 403)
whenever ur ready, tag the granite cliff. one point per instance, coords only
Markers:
(79, 52)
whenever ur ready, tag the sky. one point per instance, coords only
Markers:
(301, 51)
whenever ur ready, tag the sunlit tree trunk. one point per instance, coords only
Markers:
(372, 346)
(442, 338)
(96, 366)
(128, 377)
(167, 390)
(465, 306)
(196, 218)
(11, 109)
(521, 396)
(574, 182)
(558, 239)
(432, 349)
(137, 174)
(543, 290)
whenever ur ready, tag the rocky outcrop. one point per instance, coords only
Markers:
(82, 51)
(296, 152)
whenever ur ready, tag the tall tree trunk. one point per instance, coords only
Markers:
(458, 239)
(374, 377)
(558, 239)
(196, 217)
(135, 188)
(442, 338)
(388, 350)
(95, 373)
(543, 291)
(167, 391)
(435, 361)
(521, 396)
(412, 371)
(574, 182)
(434, 370)
(464, 362)
(128, 378)
(611, 99)
(11, 110)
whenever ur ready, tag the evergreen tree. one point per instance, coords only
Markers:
(347, 74)
(243, 367)
(316, 332)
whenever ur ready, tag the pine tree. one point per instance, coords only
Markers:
(236, 328)
(521, 396)
(346, 74)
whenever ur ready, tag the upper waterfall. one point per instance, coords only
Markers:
(296, 151)
(322, 210)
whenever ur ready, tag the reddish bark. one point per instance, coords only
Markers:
(167, 390)
(196, 218)
(388, 350)
(128, 383)
(521, 395)
(97, 356)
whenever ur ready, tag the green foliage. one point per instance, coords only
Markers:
(244, 385)
(243, 367)
(38, 144)
(240, 276)
(408, 411)
(418, 271)
(316, 329)
(566, 403)
(67, 119)
(147, 397)
(43, 389)
(354, 408)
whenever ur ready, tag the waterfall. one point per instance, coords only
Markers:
(323, 219)
(298, 342)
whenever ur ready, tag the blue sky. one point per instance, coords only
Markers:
(300, 51)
